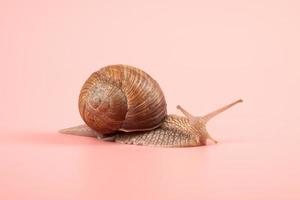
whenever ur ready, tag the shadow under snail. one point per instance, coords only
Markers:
(124, 104)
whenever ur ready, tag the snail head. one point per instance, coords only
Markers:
(199, 122)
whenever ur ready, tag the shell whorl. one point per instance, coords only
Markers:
(121, 97)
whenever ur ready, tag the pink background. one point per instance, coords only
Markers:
(204, 54)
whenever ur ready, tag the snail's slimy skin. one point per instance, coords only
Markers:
(175, 131)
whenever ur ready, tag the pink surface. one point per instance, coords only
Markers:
(204, 54)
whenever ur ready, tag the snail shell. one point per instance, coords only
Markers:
(121, 97)
(124, 104)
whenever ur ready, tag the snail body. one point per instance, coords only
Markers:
(124, 104)
(175, 131)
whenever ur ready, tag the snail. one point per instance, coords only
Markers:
(124, 104)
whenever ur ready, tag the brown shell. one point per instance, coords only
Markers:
(121, 97)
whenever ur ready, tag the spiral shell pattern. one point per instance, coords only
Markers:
(121, 97)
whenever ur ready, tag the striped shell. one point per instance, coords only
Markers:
(121, 97)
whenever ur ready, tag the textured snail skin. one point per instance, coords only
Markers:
(175, 131)
(124, 104)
